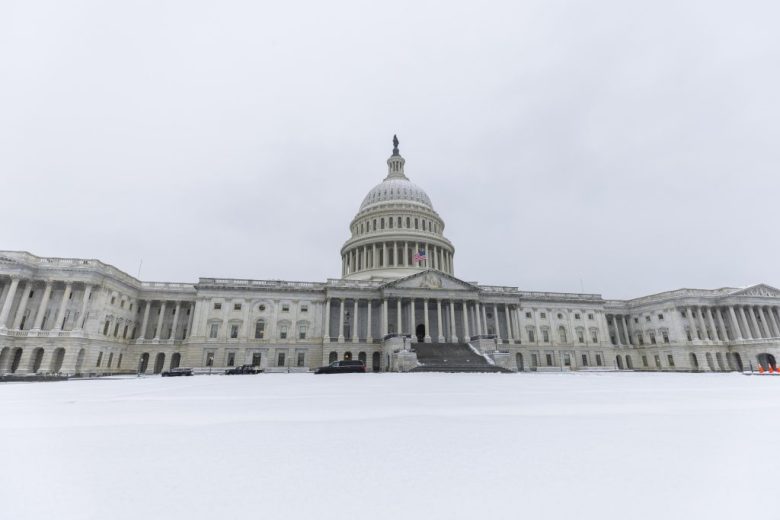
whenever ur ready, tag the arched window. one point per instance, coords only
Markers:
(362, 357)
(283, 331)
(348, 356)
(333, 356)
(408, 222)
(390, 222)
(416, 224)
(382, 223)
(399, 221)
(260, 329)
(562, 334)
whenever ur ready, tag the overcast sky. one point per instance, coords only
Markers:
(623, 148)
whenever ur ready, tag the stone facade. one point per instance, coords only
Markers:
(77, 316)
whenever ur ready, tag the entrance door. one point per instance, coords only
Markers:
(420, 332)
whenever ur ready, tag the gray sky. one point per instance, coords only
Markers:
(623, 147)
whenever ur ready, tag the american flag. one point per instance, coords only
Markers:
(420, 255)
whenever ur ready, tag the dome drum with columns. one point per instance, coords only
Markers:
(396, 231)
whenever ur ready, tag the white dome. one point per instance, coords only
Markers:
(396, 189)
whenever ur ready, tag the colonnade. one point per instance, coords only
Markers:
(174, 308)
(732, 322)
(455, 320)
(396, 254)
(21, 319)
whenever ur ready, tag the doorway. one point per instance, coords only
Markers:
(420, 332)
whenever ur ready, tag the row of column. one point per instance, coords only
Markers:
(16, 322)
(376, 256)
(744, 322)
(473, 316)
(158, 328)
(619, 320)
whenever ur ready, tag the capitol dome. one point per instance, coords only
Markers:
(396, 189)
(396, 231)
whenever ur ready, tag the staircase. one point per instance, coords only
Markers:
(451, 357)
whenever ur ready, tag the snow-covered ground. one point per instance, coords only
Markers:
(400, 446)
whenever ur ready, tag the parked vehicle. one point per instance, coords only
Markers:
(243, 369)
(342, 367)
(177, 372)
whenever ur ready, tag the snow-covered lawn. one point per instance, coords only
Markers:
(400, 446)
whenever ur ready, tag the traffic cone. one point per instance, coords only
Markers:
(760, 369)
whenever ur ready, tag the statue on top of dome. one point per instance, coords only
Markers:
(395, 145)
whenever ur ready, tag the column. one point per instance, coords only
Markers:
(398, 319)
(776, 322)
(700, 317)
(9, 300)
(412, 320)
(427, 338)
(478, 318)
(497, 323)
(145, 322)
(84, 306)
(63, 305)
(736, 334)
(510, 332)
(385, 317)
(341, 321)
(355, 323)
(373, 256)
(160, 320)
(453, 330)
(721, 324)
(384, 255)
(177, 310)
(752, 313)
(22, 305)
(711, 323)
(440, 339)
(369, 302)
(326, 339)
(466, 335)
(768, 324)
(625, 329)
(42, 307)
(191, 308)
(617, 329)
(406, 255)
(747, 332)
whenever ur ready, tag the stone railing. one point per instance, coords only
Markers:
(261, 284)
(70, 263)
(531, 295)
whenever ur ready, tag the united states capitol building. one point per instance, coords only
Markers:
(398, 306)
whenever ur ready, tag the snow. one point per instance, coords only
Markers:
(392, 446)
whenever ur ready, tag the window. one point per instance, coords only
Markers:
(688, 333)
(528, 315)
(545, 336)
(214, 330)
(121, 304)
(217, 306)
(670, 359)
(660, 317)
(231, 359)
(584, 360)
(124, 334)
(562, 334)
(534, 360)
(531, 336)
(285, 307)
(302, 332)
(256, 358)
(408, 222)
(542, 315)
(390, 222)
(647, 319)
(374, 226)
(113, 299)
(209, 359)
(259, 329)
(594, 336)
(382, 224)
(641, 338)
(31, 294)
(599, 361)
(665, 335)
(590, 316)
(100, 359)
(636, 320)
(304, 308)
(105, 328)
(566, 359)
(280, 359)
(236, 306)
(549, 359)
(116, 330)
(261, 308)
(399, 221)
(644, 361)
(131, 307)
(581, 336)
(416, 224)
(652, 337)
(560, 316)
(576, 315)
(657, 361)
(283, 331)
(234, 331)
(301, 359)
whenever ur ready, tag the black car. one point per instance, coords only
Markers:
(342, 367)
(177, 372)
(243, 369)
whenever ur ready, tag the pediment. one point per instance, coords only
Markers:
(761, 289)
(432, 279)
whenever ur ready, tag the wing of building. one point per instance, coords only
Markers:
(398, 306)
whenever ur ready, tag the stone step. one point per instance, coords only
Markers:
(451, 357)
